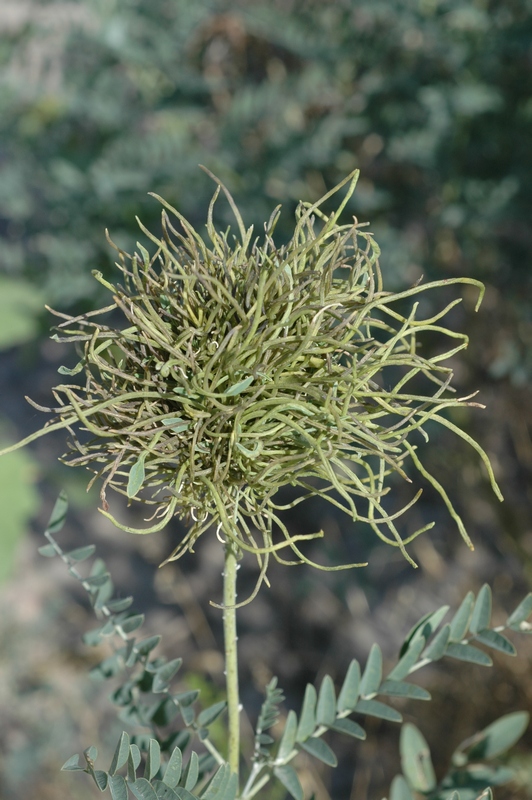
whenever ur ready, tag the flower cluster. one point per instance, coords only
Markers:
(240, 367)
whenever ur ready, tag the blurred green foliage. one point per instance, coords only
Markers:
(20, 306)
(430, 98)
(17, 479)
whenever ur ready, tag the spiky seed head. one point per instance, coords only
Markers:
(224, 370)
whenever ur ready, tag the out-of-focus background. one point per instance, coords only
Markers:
(102, 101)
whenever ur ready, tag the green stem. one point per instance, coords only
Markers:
(231, 656)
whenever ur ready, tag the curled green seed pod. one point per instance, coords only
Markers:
(241, 367)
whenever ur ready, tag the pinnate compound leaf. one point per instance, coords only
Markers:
(407, 661)
(350, 691)
(415, 759)
(288, 739)
(326, 707)
(208, 715)
(173, 768)
(403, 689)
(288, 777)
(466, 652)
(425, 627)
(118, 787)
(436, 649)
(481, 616)
(307, 720)
(521, 613)
(143, 790)
(496, 738)
(497, 641)
(58, 515)
(81, 553)
(349, 727)
(72, 765)
(121, 753)
(374, 708)
(373, 672)
(136, 475)
(153, 760)
(460, 621)
(400, 789)
(319, 749)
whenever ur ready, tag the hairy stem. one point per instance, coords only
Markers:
(231, 656)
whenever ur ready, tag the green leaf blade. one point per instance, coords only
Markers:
(326, 707)
(466, 652)
(288, 739)
(498, 737)
(132, 623)
(153, 760)
(58, 515)
(307, 720)
(374, 708)
(191, 773)
(436, 649)
(349, 727)
(118, 787)
(350, 691)
(405, 664)
(142, 790)
(121, 753)
(521, 613)
(209, 715)
(72, 765)
(288, 777)
(164, 675)
(400, 789)
(47, 550)
(372, 676)
(81, 553)
(239, 387)
(425, 627)
(416, 762)
(174, 768)
(319, 749)
(393, 688)
(460, 621)
(481, 616)
(497, 641)
(136, 476)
